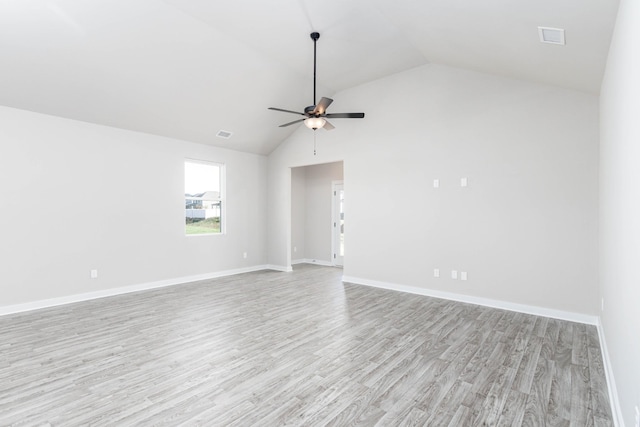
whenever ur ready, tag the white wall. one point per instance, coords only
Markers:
(95, 188)
(525, 229)
(298, 213)
(620, 206)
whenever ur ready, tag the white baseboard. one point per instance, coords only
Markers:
(298, 261)
(504, 305)
(52, 302)
(616, 411)
(282, 268)
(314, 262)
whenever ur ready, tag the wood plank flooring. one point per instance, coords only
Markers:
(301, 348)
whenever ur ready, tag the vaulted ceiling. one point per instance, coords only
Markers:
(189, 68)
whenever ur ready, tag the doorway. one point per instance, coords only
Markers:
(314, 239)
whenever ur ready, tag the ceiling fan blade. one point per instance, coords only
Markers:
(286, 111)
(322, 105)
(328, 126)
(345, 115)
(292, 123)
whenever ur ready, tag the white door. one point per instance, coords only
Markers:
(337, 221)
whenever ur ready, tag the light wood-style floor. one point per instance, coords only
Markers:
(299, 348)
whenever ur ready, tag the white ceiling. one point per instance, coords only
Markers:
(189, 68)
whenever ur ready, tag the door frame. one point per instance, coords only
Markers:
(336, 260)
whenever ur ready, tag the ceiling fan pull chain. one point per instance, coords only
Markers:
(314, 141)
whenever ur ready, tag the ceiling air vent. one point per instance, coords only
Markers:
(551, 35)
(224, 134)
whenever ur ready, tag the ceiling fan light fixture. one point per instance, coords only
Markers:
(314, 122)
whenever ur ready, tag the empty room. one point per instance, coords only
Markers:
(376, 213)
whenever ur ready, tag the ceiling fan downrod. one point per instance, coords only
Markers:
(314, 36)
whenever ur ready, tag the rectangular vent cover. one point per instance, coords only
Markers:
(551, 35)
(224, 134)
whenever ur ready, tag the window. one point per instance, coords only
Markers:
(203, 197)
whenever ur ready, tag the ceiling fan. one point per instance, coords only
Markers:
(316, 115)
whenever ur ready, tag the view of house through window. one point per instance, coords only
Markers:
(203, 197)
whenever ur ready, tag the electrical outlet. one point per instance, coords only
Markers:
(295, 249)
(244, 255)
(463, 275)
(94, 274)
(463, 182)
(454, 274)
(436, 183)
(436, 272)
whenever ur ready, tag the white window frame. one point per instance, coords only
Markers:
(223, 195)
